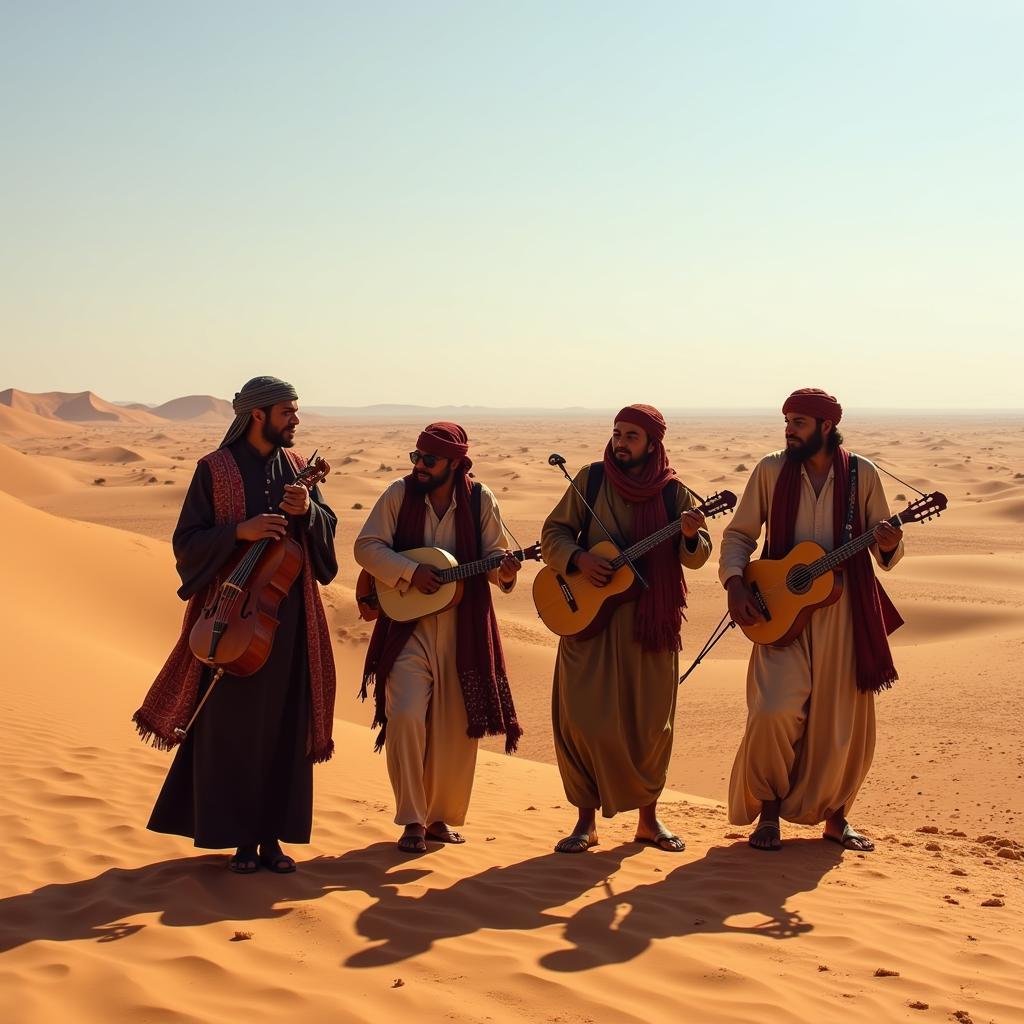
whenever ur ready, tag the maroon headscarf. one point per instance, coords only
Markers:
(479, 657)
(874, 615)
(815, 403)
(659, 612)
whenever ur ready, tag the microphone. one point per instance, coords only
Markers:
(554, 459)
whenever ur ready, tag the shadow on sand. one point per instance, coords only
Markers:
(697, 896)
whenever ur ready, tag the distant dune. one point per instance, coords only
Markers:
(204, 408)
(21, 423)
(80, 407)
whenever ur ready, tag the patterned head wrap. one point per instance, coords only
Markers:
(814, 402)
(645, 416)
(256, 394)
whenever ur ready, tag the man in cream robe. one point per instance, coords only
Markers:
(810, 732)
(430, 758)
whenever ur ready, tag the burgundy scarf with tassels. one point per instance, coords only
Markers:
(172, 697)
(874, 615)
(659, 610)
(479, 657)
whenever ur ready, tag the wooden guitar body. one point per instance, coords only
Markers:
(414, 604)
(250, 612)
(571, 605)
(786, 594)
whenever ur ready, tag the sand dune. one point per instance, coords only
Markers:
(21, 423)
(102, 920)
(196, 407)
(82, 406)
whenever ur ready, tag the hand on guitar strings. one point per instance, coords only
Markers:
(426, 579)
(510, 565)
(743, 608)
(296, 500)
(267, 526)
(598, 571)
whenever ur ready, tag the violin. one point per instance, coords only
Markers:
(236, 628)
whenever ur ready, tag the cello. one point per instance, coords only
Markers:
(236, 628)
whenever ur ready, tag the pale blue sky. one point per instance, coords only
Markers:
(547, 204)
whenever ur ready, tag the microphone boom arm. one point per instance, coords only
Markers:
(557, 460)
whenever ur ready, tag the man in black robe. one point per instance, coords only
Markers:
(243, 776)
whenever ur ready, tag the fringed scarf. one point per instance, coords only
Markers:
(479, 658)
(659, 610)
(172, 698)
(874, 615)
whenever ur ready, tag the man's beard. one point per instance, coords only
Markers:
(426, 486)
(803, 451)
(276, 437)
(630, 463)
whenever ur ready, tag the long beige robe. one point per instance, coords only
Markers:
(613, 704)
(430, 758)
(810, 732)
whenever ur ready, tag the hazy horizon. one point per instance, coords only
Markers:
(572, 204)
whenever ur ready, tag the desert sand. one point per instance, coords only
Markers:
(101, 920)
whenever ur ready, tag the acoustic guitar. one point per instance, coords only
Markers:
(570, 605)
(788, 590)
(374, 597)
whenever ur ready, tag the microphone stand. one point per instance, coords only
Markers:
(557, 460)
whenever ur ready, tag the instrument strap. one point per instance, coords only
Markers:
(475, 498)
(851, 507)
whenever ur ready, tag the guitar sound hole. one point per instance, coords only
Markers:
(799, 579)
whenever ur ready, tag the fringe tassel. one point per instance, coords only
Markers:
(148, 735)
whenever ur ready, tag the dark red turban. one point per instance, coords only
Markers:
(446, 440)
(645, 416)
(814, 402)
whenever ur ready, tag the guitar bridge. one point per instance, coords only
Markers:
(567, 593)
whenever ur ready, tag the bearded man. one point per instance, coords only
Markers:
(440, 681)
(243, 776)
(810, 732)
(614, 698)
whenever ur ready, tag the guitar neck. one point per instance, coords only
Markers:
(481, 565)
(641, 547)
(836, 558)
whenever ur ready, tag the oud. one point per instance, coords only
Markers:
(788, 590)
(570, 605)
(374, 597)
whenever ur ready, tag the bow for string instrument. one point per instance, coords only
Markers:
(235, 630)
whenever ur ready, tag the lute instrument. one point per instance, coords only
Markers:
(374, 597)
(570, 605)
(788, 590)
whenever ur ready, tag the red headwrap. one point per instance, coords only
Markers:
(645, 416)
(814, 402)
(446, 440)
(659, 612)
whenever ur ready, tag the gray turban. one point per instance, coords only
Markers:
(256, 394)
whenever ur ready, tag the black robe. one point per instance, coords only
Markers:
(242, 776)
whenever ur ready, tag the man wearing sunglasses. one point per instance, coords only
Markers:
(439, 682)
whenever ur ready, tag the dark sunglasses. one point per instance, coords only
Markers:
(430, 461)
